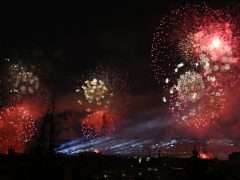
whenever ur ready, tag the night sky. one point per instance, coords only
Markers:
(76, 37)
(65, 40)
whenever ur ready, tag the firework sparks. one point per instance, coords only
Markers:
(103, 93)
(99, 123)
(189, 86)
(17, 126)
(22, 81)
(23, 102)
(101, 89)
(18, 82)
(95, 91)
(195, 55)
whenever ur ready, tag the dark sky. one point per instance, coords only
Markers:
(79, 36)
(118, 35)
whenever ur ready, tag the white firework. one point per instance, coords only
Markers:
(189, 87)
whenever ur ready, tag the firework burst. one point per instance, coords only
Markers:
(102, 88)
(104, 94)
(195, 56)
(17, 126)
(99, 123)
(22, 81)
(23, 101)
(18, 82)
(96, 91)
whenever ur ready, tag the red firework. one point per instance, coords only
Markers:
(17, 126)
(99, 123)
(217, 41)
(195, 55)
